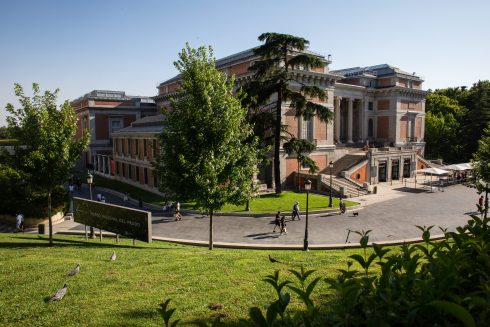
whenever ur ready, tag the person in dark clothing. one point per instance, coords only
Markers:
(277, 221)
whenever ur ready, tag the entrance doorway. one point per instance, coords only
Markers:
(395, 170)
(382, 172)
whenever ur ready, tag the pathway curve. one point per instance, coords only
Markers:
(391, 215)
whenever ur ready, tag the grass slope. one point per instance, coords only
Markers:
(127, 292)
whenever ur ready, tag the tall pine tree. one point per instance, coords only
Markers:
(273, 85)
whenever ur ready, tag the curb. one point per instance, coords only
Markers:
(252, 246)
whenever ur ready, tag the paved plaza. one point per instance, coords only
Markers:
(391, 215)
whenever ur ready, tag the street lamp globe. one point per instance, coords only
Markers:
(330, 164)
(307, 185)
(90, 179)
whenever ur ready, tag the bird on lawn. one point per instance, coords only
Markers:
(273, 260)
(74, 271)
(59, 294)
(113, 256)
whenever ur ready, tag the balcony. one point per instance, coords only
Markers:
(412, 139)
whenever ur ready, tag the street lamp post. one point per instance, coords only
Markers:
(90, 180)
(307, 188)
(330, 204)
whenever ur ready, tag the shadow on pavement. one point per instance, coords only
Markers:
(410, 190)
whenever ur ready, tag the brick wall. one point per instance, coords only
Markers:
(360, 175)
(101, 127)
(383, 104)
(403, 127)
(383, 127)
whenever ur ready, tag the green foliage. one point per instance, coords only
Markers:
(279, 56)
(439, 283)
(47, 148)
(167, 314)
(455, 120)
(4, 134)
(208, 152)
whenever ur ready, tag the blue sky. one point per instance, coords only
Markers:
(78, 46)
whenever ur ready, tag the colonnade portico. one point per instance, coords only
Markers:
(344, 130)
(102, 164)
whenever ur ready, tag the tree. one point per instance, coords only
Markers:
(301, 148)
(47, 149)
(478, 104)
(273, 85)
(481, 164)
(207, 155)
(443, 121)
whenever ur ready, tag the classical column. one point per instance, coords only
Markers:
(337, 118)
(103, 164)
(350, 109)
(361, 121)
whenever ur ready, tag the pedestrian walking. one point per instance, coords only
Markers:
(479, 206)
(277, 221)
(178, 216)
(283, 225)
(341, 206)
(140, 203)
(19, 222)
(295, 211)
(102, 199)
(71, 188)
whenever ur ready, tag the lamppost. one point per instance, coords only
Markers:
(307, 188)
(90, 180)
(330, 204)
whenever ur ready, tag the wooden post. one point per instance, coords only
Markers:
(117, 238)
(100, 229)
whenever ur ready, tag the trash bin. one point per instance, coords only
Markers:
(375, 189)
(41, 229)
(342, 191)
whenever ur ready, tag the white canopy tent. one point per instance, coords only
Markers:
(433, 171)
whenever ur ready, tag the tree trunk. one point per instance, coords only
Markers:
(277, 142)
(298, 178)
(211, 230)
(50, 219)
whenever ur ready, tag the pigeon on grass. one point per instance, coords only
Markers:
(59, 294)
(273, 260)
(113, 256)
(74, 271)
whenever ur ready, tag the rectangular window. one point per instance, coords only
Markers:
(154, 148)
(307, 129)
(382, 172)
(144, 149)
(130, 173)
(116, 170)
(129, 147)
(370, 105)
(145, 173)
(124, 169)
(136, 146)
(137, 173)
(115, 125)
(155, 180)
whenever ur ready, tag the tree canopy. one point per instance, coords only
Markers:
(47, 149)
(274, 84)
(209, 154)
(455, 120)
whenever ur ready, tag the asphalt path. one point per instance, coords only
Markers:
(391, 220)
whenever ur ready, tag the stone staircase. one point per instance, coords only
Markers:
(344, 163)
(351, 189)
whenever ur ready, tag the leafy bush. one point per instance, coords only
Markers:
(16, 194)
(434, 283)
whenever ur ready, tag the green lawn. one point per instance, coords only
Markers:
(268, 203)
(284, 203)
(127, 292)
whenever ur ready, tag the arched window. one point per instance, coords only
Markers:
(370, 127)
